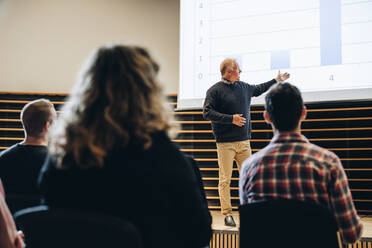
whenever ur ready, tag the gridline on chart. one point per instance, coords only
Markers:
(324, 44)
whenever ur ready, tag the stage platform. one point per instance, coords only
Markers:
(228, 237)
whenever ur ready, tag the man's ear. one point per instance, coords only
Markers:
(227, 74)
(47, 126)
(303, 114)
(267, 117)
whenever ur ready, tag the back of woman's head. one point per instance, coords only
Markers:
(116, 100)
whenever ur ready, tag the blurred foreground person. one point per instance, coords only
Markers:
(9, 237)
(110, 152)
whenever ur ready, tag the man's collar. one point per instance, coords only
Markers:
(224, 80)
(288, 137)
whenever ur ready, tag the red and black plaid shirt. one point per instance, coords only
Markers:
(291, 167)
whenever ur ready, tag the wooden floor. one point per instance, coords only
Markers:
(218, 224)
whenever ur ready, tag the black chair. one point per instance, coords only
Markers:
(17, 202)
(55, 228)
(287, 223)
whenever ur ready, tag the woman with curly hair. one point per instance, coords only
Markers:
(111, 152)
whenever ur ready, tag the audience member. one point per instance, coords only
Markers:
(291, 167)
(110, 152)
(9, 237)
(20, 164)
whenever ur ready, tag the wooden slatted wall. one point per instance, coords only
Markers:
(342, 127)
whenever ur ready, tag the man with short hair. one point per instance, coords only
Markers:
(227, 106)
(290, 167)
(20, 164)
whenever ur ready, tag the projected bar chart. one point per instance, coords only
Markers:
(324, 44)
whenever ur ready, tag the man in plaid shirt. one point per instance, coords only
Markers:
(291, 167)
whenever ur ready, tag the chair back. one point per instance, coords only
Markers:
(48, 228)
(287, 223)
(17, 202)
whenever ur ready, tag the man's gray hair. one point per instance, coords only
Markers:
(227, 64)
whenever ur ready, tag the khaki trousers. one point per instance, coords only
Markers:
(227, 152)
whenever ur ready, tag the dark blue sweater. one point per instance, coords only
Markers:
(223, 100)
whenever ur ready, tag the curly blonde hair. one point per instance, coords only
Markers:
(116, 99)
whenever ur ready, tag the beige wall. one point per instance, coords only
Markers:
(43, 43)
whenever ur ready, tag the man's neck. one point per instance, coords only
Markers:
(296, 131)
(35, 141)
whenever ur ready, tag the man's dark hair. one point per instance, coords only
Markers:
(284, 105)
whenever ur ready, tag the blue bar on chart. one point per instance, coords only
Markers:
(280, 59)
(330, 32)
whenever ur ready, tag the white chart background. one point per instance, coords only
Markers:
(326, 46)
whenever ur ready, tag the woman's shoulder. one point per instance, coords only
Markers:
(162, 143)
